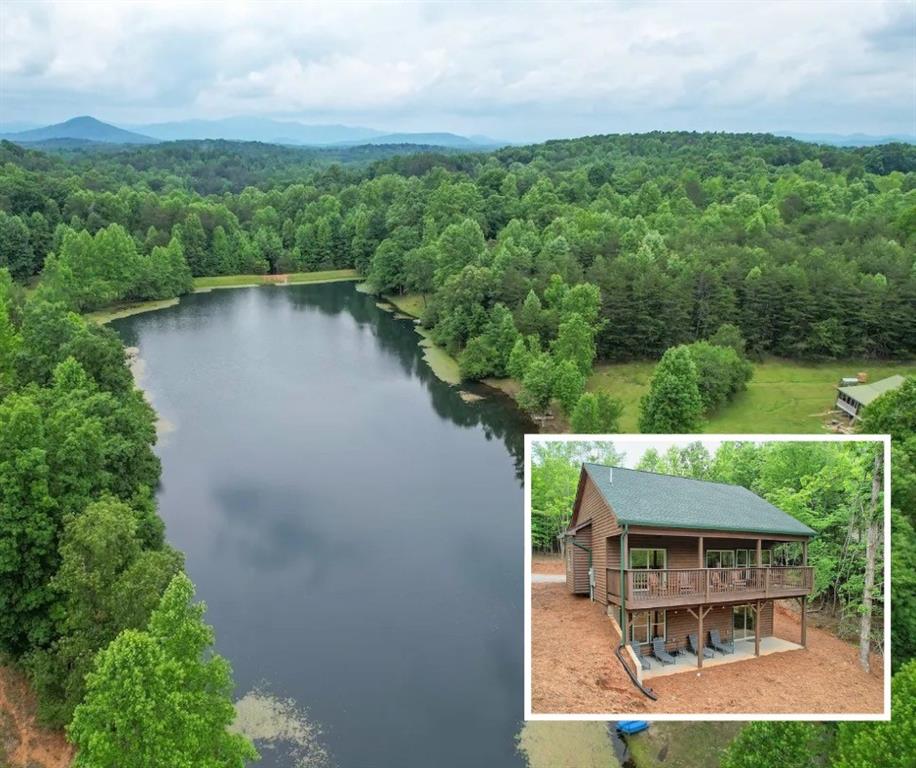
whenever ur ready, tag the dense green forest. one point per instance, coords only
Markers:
(533, 261)
(91, 596)
(808, 250)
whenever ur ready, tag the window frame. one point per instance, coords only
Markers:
(651, 622)
(649, 558)
(720, 552)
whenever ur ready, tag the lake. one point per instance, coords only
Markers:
(354, 526)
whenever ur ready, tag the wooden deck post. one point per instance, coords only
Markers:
(700, 552)
(804, 622)
(757, 630)
(699, 616)
(759, 553)
(804, 600)
(700, 642)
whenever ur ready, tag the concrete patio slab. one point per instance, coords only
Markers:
(744, 651)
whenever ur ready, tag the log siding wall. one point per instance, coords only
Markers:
(577, 562)
(683, 550)
(604, 524)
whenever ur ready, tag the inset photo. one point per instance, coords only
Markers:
(714, 577)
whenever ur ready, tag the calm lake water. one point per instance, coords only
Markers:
(353, 525)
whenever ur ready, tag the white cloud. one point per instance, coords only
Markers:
(515, 69)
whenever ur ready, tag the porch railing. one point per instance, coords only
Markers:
(710, 584)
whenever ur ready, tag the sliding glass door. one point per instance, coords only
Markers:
(743, 622)
(644, 561)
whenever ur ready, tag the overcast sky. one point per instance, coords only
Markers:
(517, 71)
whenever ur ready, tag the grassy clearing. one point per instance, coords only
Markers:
(292, 278)
(567, 745)
(118, 311)
(411, 304)
(626, 381)
(681, 745)
(784, 395)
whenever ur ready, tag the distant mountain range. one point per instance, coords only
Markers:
(85, 128)
(849, 139)
(256, 129)
(85, 131)
(88, 129)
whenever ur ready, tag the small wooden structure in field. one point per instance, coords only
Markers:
(852, 399)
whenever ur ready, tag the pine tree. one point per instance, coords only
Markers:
(673, 402)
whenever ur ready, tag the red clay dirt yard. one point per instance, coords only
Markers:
(574, 669)
(24, 743)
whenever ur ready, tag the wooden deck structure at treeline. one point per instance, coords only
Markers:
(672, 557)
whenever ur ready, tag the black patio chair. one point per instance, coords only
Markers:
(642, 659)
(716, 642)
(694, 647)
(659, 652)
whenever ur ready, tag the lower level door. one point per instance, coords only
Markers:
(743, 622)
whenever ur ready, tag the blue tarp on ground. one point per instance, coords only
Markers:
(632, 726)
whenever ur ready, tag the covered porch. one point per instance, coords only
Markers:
(744, 650)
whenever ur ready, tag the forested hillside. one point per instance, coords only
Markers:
(808, 250)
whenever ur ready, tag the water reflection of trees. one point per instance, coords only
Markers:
(497, 414)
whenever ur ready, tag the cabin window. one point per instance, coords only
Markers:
(720, 558)
(646, 625)
(744, 557)
(766, 557)
(648, 558)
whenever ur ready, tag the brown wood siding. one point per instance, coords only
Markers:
(766, 619)
(592, 506)
(577, 562)
(612, 550)
(683, 550)
(680, 623)
(570, 567)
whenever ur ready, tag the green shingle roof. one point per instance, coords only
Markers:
(666, 501)
(865, 393)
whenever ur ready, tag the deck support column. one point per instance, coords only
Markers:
(624, 617)
(804, 600)
(759, 562)
(804, 622)
(757, 630)
(699, 616)
(700, 552)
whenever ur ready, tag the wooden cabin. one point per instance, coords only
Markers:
(671, 556)
(852, 399)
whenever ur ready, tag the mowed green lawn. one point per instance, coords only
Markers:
(235, 281)
(783, 396)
